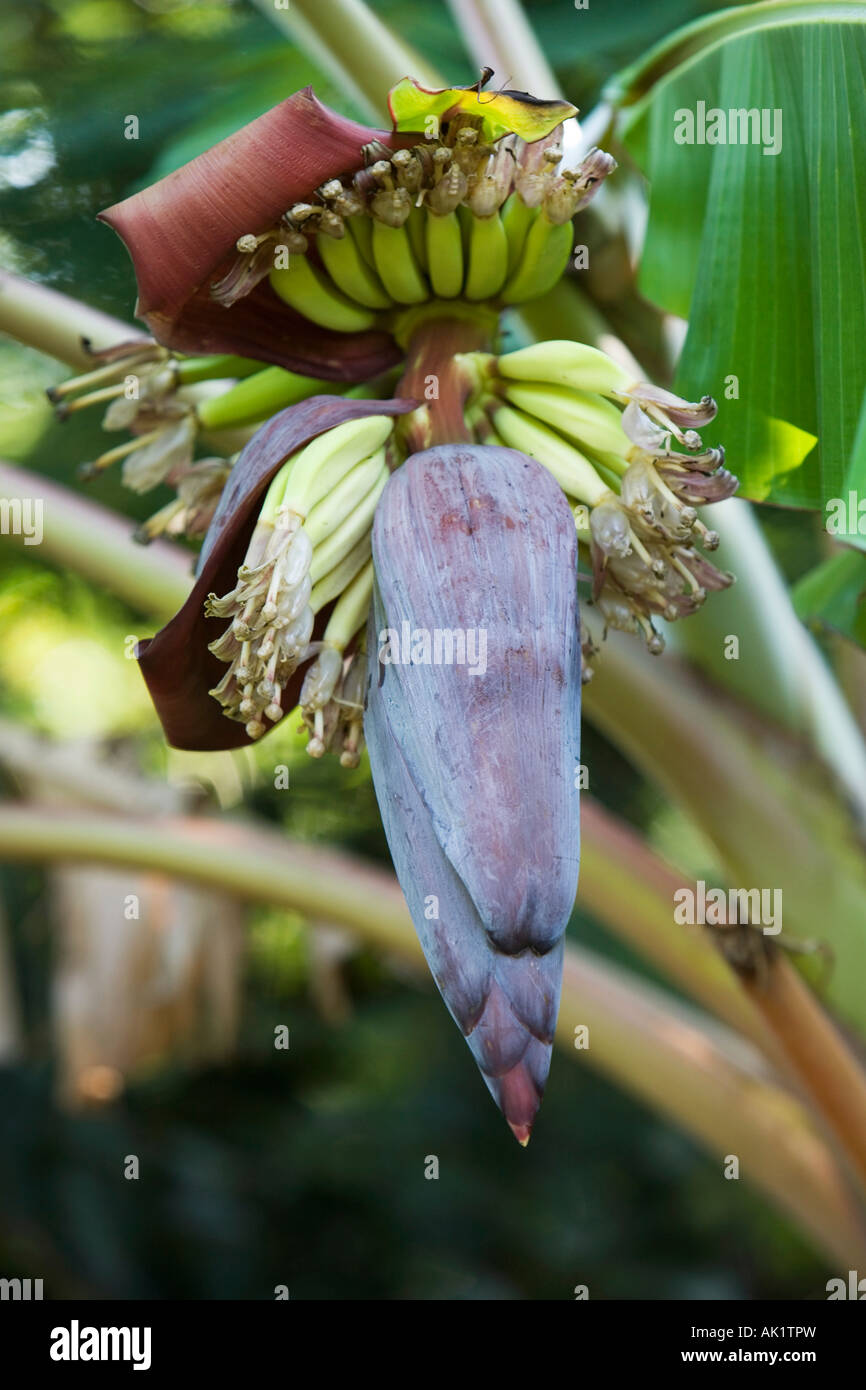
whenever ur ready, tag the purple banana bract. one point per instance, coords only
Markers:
(474, 760)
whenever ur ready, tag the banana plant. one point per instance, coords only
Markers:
(355, 283)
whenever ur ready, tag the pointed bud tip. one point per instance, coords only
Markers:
(518, 1096)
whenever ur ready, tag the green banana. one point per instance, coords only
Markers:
(192, 369)
(488, 257)
(350, 610)
(601, 463)
(582, 416)
(331, 585)
(361, 229)
(517, 218)
(543, 259)
(260, 396)
(397, 265)
(571, 469)
(350, 272)
(614, 464)
(444, 254)
(347, 535)
(581, 520)
(332, 511)
(561, 362)
(321, 465)
(416, 226)
(305, 288)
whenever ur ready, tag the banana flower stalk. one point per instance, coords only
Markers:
(356, 543)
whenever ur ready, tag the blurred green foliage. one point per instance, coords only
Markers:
(303, 1167)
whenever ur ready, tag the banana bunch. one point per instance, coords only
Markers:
(311, 541)
(607, 441)
(512, 256)
(555, 402)
(465, 217)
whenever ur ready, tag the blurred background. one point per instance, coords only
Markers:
(137, 1017)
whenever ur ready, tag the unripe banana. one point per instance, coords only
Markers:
(397, 266)
(601, 462)
(305, 288)
(193, 369)
(416, 225)
(343, 540)
(329, 514)
(571, 469)
(361, 229)
(581, 521)
(543, 259)
(488, 257)
(350, 272)
(321, 465)
(614, 463)
(351, 609)
(565, 363)
(444, 254)
(583, 416)
(331, 585)
(517, 218)
(259, 397)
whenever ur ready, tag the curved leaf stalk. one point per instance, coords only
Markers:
(697, 1073)
(500, 36)
(767, 809)
(54, 323)
(351, 43)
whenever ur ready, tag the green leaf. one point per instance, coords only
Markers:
(834, 594)
(764, 253)
(502, 112)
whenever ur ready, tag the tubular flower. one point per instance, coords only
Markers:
(355, 547)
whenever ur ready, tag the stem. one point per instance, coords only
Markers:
(627, 887)
(828, 1072)
(351, 43)
(55, 324)
(780, 670)
(758, 799)
(434, 342)
(98, 545)
(500, 36)
(697, 1073)
(10, 1012)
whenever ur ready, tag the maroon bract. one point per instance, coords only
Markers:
(182, 231)
(177, 664)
